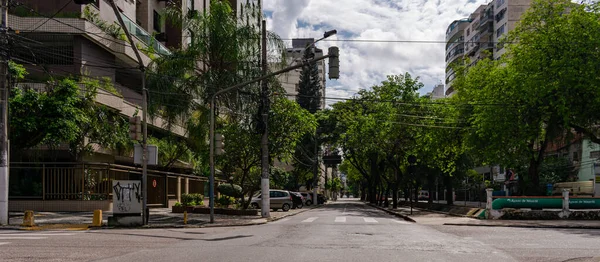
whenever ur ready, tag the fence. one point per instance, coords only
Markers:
(77, 182)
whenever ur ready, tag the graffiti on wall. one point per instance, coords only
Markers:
(127, 196)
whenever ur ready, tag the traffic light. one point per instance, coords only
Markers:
(135, 128)
(334, 63)
(219, 144)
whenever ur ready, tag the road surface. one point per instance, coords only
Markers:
(342, 231)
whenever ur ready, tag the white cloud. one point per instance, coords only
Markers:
(364, 64)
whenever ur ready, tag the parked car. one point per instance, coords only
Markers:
(307, 198)
(297, 200)
(423, 195)
(279, 199)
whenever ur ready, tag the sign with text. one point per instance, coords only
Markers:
(127, 197)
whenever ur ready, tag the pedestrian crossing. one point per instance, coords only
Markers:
(9, 237)
(344, 220)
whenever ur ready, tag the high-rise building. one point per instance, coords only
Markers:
(438, 92)
(291, 80)
(58, 38)
(477, 36)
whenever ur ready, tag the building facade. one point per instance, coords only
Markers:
(477, 36)
(59, 38)
(291, 80)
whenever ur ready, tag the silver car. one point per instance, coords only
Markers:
(279, 199)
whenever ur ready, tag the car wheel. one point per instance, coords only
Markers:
(308, 203)
(299, 206)
(286, 207)
(255, 206)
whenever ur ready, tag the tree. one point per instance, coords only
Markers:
(543, 89)
(309, 98)
(288, 122)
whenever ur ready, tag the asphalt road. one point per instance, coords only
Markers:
(342, 231)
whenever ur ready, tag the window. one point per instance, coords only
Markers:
(500, 15)
(157, 26)
(468, 31)
(499, 3)
(190, 37)
(575, 156)
(500, 30)
(595, 154)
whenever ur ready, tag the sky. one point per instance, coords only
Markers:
(364, 64)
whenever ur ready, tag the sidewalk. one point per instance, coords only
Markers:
(424, 217)
(159, 218)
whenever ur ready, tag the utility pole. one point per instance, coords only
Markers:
(264, 142)
(142, 67)
(4, 90)
(316, 170)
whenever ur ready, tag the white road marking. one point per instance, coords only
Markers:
(4, 243)
(340, 219)
(282, 220)
(37, 234)
(22, 238)
(370, 220)
(400, 222)
(309, 220)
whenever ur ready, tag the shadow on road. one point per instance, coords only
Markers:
(227, 238)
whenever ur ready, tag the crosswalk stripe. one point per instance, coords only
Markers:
(401, 222)
(37, 234)
(309, 220)
(370, 220)
(4, 243)
(21, 238)
(340, 219)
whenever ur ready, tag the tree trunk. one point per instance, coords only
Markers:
(395, 190)
(386, 202)
(448, 184)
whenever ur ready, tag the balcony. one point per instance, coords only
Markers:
(144, 36)
(487, 19)
(472, 48)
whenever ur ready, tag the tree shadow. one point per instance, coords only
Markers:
(227, 238)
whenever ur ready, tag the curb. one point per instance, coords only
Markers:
(524, 226)
(405, 217)
(443, 213)
(200, 225)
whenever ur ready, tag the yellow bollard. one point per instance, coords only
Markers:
(28, 220)
(97, 222)
(185, 217)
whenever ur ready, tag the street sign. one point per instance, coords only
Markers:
(152, 155)
(154, 183)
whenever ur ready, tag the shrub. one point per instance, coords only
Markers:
(224, 201)
(177, 204)
(192, 199)
(229, 190)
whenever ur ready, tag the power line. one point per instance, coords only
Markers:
(51, 17)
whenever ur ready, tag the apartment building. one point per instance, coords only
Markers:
(59, 38)
(291, 80)
(476, 36)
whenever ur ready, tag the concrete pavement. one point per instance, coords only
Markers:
(341, 231)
